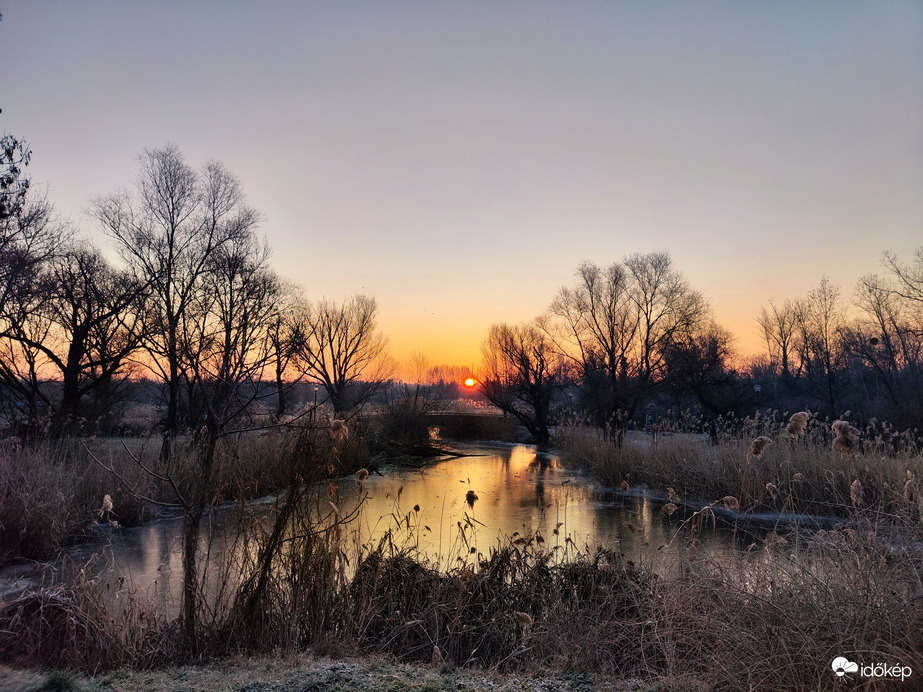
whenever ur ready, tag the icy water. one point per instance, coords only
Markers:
(521, 491)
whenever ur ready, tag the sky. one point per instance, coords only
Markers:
(459, 160)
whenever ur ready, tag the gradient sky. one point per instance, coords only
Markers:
(458, 160)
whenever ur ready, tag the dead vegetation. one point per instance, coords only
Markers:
(771, 618)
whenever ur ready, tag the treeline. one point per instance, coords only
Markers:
(193, 303)
(633, 342)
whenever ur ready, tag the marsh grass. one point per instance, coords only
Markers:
(773, 617)
(791, 475)
(78, 627)
(51, 491)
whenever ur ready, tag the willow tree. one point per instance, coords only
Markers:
(520, 375)
(618, 323)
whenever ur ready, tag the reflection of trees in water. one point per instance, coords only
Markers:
(519, 490)
(543, 463)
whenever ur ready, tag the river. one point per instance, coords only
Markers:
(522, 491)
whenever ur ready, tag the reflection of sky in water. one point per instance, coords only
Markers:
(519, 488)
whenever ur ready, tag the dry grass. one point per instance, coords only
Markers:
(800, 476)
(78, 627)
(771, 618)
(51, 492)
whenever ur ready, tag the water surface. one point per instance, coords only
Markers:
(522, 491)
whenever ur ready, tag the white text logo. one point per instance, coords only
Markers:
(841, 666)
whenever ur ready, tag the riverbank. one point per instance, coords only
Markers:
(305, 672)
(759, 466)
(770, 616)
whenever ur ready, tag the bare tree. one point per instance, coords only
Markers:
(229, 350)
(821, 325)
(595, 324)
(284, 339)
(618, 323)
(520, 375)
(81, 323)
(342, 348)
(700, 363)
(189, 236)
(779, 325)
(888, 338)
(907, 279)
(30, 236)
(167, 233)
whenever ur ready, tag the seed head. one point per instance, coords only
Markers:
(524, 620)
(798, 423)
(855, 492)
(107, 506)
(758, 445)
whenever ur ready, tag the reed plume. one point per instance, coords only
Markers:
(106, 509)
(798, 423)
(855, 492)
(847, 437)
(759, 445)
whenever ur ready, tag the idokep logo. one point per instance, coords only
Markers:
(843, 666)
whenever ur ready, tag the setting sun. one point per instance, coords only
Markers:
(470, 382)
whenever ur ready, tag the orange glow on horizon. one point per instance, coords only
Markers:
(470, 382)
